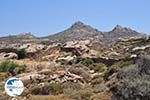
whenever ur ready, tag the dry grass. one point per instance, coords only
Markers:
(48, 97)
(101, 96)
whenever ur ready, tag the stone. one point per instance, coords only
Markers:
(7, 56)
(31, 48)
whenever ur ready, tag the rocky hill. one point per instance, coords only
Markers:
(78, 31)
(21, 38)
(119, 32)
(80, 63)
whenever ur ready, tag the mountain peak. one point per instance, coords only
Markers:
(26, 35)
(78, 31)
(119, 28)
(78, 24)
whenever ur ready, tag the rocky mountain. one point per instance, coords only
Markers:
(27, 35)
(119, 32)
(17, 38)
(80, 31)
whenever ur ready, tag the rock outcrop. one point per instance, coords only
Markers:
(8, 56)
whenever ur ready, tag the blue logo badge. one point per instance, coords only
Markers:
(14, 87)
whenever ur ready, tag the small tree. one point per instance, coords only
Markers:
(21, 53)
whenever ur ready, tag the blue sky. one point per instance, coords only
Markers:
(45, 17)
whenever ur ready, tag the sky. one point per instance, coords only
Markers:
(45, 17)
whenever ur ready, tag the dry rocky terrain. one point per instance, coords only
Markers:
(80, 63)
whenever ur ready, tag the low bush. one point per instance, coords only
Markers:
(55, 88)
(132, 82)
(11, 67)
(98, 67)
(37, 90)
(85, 61)
(52, 88)
(116, 67)
(74, 94)
(72, 85)
(85, 94)
(21, 53)
(101, 96)
(48, 97)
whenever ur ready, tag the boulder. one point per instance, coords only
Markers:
(7, 56)
(31, 48)
(67, 58)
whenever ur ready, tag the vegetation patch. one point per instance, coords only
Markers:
(132, 82)
(12, 68)
(21, 53)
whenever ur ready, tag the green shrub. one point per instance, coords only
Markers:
(133, 82)
(121, 64)
(11, 67)
(55, 88)
(37, 90)
(98, 67)
(46, 97)
(98, 88)
(79, 94)
(85, 61)
(75, 91)
(21, 53)
(85, 94)
(52, 88)
(144, 41)
(116, 67)
(72, 85)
